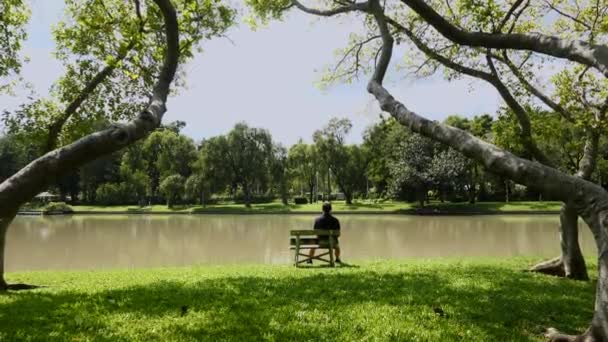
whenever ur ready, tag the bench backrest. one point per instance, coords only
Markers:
(315, 232)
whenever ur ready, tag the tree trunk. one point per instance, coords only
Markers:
(284, 196)
(472, 193)
(597, 220)
(312, 189)
(571, 263)
(5, 221)
(421, 196)
(328, 184)
(348, 196)
(246, 193)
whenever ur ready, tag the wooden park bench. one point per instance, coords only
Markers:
(308, 239)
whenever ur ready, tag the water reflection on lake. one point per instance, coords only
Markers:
(111, 241)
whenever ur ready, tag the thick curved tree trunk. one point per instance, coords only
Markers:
(5, 221)
(571, 263)
(37, 175)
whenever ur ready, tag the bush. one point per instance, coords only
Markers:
(58, 207)
(300, 200)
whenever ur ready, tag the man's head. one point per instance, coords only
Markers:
(326, 207)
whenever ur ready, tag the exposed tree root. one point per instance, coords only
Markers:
(553, 335)
(554, 267)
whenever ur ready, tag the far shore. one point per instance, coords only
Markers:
(340, 208)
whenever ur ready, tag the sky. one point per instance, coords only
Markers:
(267, 78)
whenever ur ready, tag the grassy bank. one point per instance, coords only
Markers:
(339, 206)
(487, 300)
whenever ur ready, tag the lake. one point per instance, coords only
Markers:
(131, 241)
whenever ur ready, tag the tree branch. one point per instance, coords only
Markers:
(387, 41)
(56, 127)
(534, 90)
(574, 50)
(436, 56)
(590, 153)
(520, 113)
(493, 78)
(504, 20)
(355, 6)
(566, 15)
(517, 16)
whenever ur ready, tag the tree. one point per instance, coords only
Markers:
(330, 146)
(195, 187)
(587, 199)
(279, 172)
(212, 164)
(172, 188)
(174, 152)
(381, 141)
(15, 16)
(249, 151)
(137, 184)
(303, 160)
(13, 156)
(411, 170)
(161, 21)
(450, 172)
(167, 152)
(110, 194)
(349, 169)
(106, 169)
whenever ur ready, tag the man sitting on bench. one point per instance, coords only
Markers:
(326, 222)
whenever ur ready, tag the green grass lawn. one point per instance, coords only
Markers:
(483, 300)
(338, 206)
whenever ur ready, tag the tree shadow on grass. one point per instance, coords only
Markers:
(481, 303)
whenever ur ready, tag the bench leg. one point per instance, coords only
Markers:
(331, 252)
(296, 257)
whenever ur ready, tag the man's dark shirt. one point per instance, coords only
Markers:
(327, 222)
